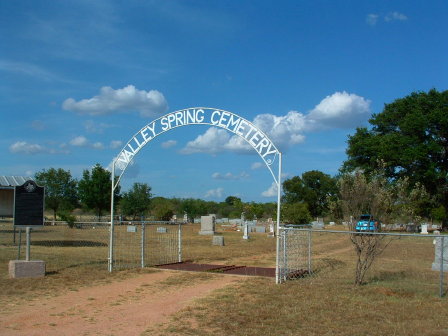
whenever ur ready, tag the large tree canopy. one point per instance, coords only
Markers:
(60, 189)
(410, 139)
(95, 189)
(314, 188)
(136, 201)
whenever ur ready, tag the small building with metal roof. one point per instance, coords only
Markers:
(7, 184)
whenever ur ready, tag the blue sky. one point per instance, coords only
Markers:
(79, 78)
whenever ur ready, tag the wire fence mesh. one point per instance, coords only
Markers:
(143, 244)
(410, 264)
(294, 253)
(60, 246)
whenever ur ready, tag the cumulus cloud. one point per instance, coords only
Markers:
(97, 145)
(24, 147)
(340, 110)
(213, 141)
(230, 176)
(214, 193)
(271, 191)
(169, 144)
(256, 165)
(79, 141)
(82, 141)
(147, 103)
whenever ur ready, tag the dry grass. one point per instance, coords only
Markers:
(400, 297)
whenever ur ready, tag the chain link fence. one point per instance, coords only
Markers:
(84, 245)
(410, 264)
(294, 253)
(143, 244)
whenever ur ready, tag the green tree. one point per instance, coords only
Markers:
(295, 213)
(60, 190)
(162, 208)
(410, 137)
(314, 188)
(95, 189)
(136, 201)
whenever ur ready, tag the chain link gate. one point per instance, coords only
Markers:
(294, 253)
(143, 244)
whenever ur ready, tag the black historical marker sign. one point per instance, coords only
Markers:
(29, 205)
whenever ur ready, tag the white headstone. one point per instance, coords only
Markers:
(424, 229)
(207, 225)
(246, 231)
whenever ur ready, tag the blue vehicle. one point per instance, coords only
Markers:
(366, 223)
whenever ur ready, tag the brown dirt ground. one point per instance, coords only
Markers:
(120, 308)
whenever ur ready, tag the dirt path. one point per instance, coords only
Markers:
(121, 308)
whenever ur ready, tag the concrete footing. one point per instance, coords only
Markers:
(26, 269)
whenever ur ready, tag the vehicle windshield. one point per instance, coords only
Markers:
(365, 217)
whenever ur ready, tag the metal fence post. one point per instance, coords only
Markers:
(442, 247)
(28, 243)
(142, 222)
(20, 244)
(309, 251)
(179, 244)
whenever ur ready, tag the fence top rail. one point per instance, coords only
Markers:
(368, 233)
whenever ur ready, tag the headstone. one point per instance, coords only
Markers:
(26, 269)
(317, 225)
(332, 223)
(185, 217)
(218, 240)
(271, 230)
(162, 229)
(441, 245)
(207, 225)
(424, 229)
(131, 228)
(246, 232)
(259, 229)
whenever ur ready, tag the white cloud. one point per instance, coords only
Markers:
(79, 141)
(98, 145)
(395, 16)
(115, 144)
(214, 193)
(24, 147)
(213, 141)
(283, 130)
(109, 101)
(82, 141)
(340, 110)
(169, 144)
(230, 176)
(256, 165)
(372, 19)
(271, 192)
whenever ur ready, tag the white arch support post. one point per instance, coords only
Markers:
(229, 121)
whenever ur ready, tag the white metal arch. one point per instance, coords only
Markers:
(233, 123)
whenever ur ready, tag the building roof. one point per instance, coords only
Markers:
(13, 181)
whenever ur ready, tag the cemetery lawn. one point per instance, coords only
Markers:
(399, 298)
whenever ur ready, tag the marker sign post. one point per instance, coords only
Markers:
(29, 209)
(229, 121)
